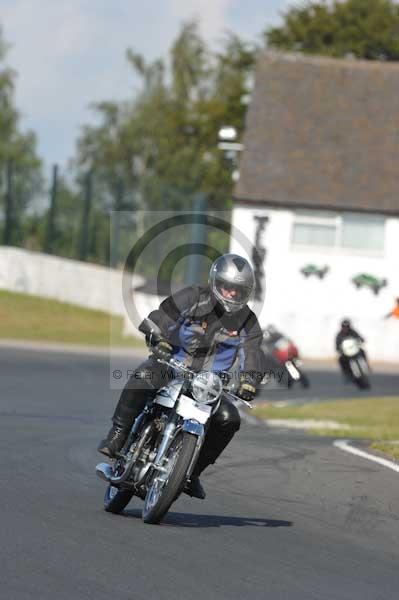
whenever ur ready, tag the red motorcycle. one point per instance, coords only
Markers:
(285, 353)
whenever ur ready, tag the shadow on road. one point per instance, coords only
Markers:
(194, 520)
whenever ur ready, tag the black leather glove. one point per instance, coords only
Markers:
(246, 390)
(162, 349)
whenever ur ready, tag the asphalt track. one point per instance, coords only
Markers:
(287, 516)
(328, 383)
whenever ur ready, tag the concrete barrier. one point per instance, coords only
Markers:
(81, 283)
(96, 287)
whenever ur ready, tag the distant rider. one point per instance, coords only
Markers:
(206, 328)
(347, 331)
(271, 335)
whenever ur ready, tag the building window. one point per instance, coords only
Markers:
(340, 231)
(365, 232)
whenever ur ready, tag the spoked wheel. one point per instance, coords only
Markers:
(165, 486)
(116, 499)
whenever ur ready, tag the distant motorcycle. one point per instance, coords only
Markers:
(164, 442)
(286, 354)
(354, 363)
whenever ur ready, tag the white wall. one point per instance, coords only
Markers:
(144, 304)
(307, 309)
(87, 285)
(310, 309)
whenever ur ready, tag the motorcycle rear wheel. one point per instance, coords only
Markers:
(164, 489)
(115, 499)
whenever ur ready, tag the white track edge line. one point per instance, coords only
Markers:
(345, 445)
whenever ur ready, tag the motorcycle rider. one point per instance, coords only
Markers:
(347, 331)
(282, 355)
(206, 328)
(271, 335)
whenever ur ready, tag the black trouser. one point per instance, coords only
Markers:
(142, 387)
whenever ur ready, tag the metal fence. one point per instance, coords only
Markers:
(78, 223)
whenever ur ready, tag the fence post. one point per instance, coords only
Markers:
(50, 233)
(9, 206)
(85, 232)
(116, 225)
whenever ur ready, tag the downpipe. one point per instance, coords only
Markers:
(130, 465)
(105, 471)
(164, 445)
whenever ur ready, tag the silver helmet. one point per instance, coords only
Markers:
(231, 281)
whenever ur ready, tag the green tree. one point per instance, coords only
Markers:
(8, 113)
(157, 150)
(366, 29)
(16, 148)
(162, 144)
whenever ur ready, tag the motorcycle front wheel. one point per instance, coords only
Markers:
(165, 486)
(305, 383)
(363, 382)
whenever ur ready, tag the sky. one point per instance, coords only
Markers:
(71, 53)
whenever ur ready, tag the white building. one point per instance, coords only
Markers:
(321, 167)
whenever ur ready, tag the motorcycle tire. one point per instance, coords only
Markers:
(305, 383)
(115, 499)
(363, 382)
(152, 514)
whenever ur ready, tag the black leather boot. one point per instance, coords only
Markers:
(194, 488)
(113, 443)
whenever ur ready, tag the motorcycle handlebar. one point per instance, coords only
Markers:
(176, 364)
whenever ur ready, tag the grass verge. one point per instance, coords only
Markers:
(374, 419)
(26, 317)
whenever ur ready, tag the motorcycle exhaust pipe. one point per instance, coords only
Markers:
(104, 472)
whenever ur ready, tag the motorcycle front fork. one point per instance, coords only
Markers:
(168, 435)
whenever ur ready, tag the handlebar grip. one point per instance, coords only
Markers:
(150, 330)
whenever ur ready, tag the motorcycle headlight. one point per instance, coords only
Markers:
(206, 387)
(350, 347)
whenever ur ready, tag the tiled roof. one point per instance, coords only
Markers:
(322, 133)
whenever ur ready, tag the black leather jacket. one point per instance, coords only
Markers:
(204, 336)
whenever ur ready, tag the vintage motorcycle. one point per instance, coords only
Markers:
(165, 440)
(287, 354)
(281, 352)
(354, 363)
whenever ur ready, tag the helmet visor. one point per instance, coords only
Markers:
(232, 293)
